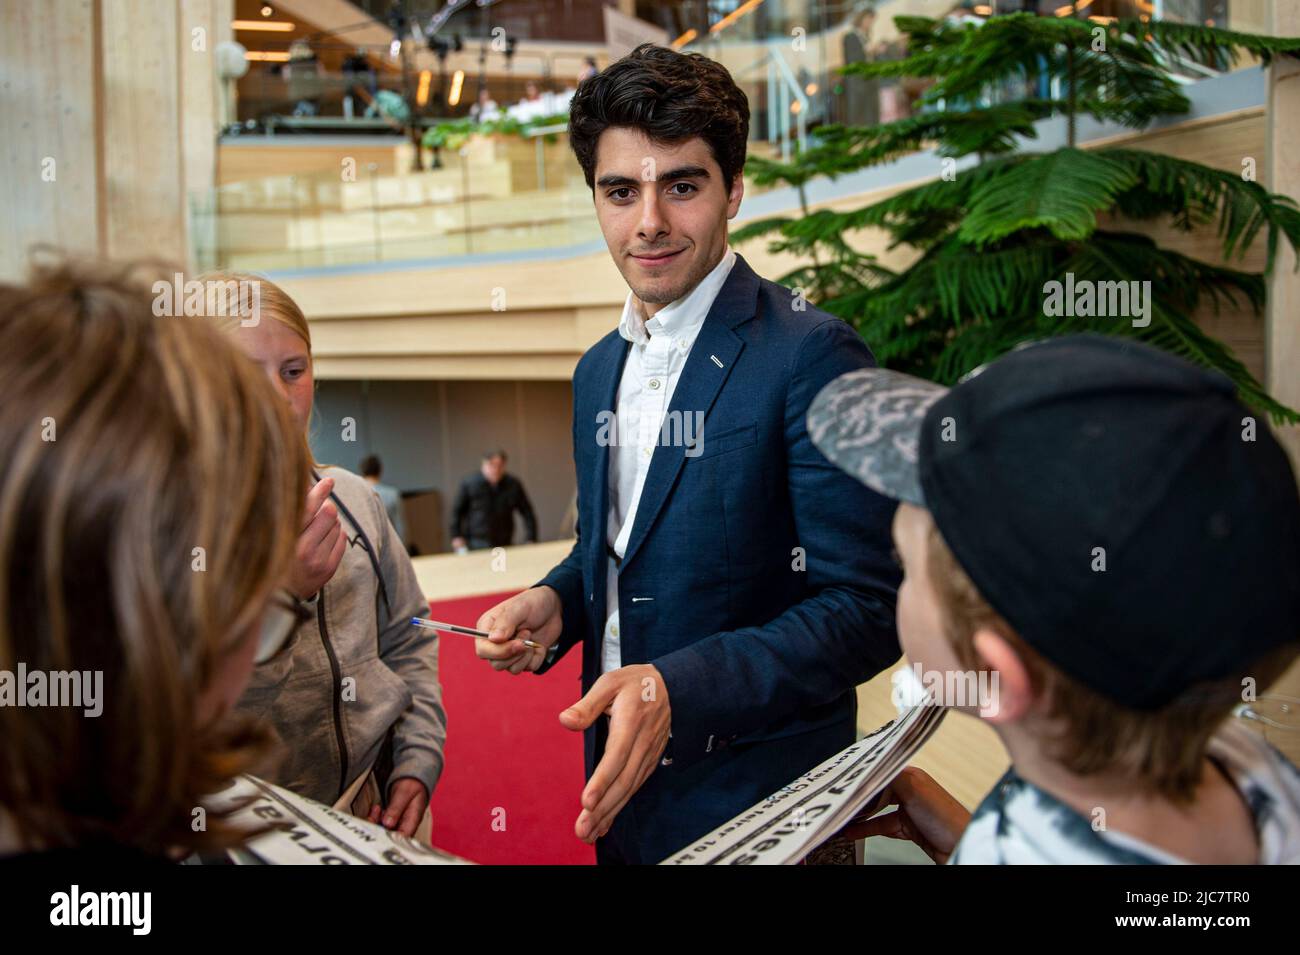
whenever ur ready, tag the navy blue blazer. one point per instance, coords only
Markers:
(758, 578)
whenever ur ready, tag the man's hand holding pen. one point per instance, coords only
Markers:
(532, 616)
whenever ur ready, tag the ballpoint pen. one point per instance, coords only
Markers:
(467, 631)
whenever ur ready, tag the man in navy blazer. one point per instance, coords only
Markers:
(720, 587)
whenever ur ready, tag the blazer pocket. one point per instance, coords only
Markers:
(712, 445)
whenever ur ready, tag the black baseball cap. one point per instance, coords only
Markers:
(1119, 507)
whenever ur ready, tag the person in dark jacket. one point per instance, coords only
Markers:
(728, 589)
(483, 514)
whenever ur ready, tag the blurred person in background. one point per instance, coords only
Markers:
(372, 469)
(485, 107)
(150, 491)
(358, 75)
(861, 94)
(483, 514)
(303, 75)
(357, 702)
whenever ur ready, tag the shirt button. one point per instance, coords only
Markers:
(645, 452)
(654, 384)
(613, 630)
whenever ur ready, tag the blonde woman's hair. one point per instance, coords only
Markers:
(150, 494)
(227, 299)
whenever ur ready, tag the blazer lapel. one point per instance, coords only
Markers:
(712, 357)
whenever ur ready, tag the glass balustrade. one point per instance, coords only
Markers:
(516, 188)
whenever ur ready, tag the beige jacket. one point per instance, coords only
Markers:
(358, 669)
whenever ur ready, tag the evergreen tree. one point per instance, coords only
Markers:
(993, 236)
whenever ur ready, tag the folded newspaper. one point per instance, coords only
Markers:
(786, 826)
(310, 833)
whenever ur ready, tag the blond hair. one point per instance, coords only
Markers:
(223, 300)
(1160, 752)
(149, 502)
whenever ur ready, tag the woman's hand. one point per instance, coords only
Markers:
(320, 545)
(407, 800)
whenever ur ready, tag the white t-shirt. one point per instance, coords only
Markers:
(1019, 824)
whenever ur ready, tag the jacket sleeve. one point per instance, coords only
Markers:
(399, 520)
(566, 578)
(734, 683)
(420, 733)
(525, 507)
(458, 510)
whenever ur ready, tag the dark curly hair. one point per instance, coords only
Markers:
(669, 96)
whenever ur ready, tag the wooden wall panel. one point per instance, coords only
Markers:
(47, 127)
(115, 95)
(144, 198)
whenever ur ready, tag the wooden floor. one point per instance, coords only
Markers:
(965, 754)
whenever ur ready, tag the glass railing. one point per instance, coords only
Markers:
(489, 195)
(518, 191)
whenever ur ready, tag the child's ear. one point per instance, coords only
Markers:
(1011, 691)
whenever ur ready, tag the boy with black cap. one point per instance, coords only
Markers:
(1107, 530)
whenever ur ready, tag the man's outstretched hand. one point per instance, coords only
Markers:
(636, 699)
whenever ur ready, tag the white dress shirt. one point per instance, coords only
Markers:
(654, 365)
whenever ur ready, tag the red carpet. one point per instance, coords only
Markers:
(513, 775)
